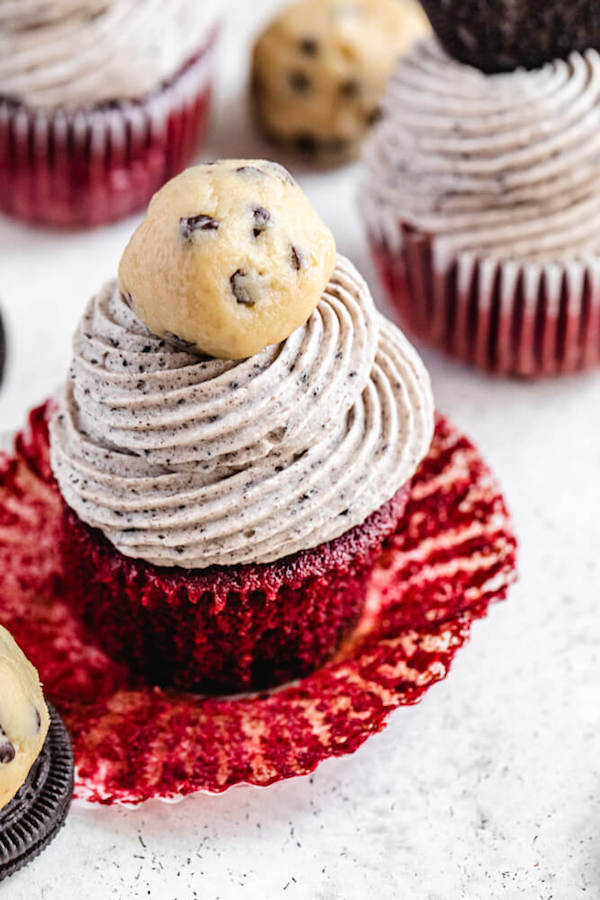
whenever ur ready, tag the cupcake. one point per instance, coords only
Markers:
(501, 35)
(235, 437)
(319, 70)
(482, 204)
(101, 101)
(36, 762)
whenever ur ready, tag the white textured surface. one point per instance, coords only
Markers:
(491, 787)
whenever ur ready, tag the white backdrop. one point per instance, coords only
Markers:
(491, 787)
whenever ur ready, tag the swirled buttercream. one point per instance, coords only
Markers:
(191, 461)
(74, 53)
(503, 166)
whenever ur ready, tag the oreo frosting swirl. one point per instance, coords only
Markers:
(502, 166)
(192, 462)
(77, 53)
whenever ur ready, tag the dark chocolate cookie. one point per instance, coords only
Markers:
(501, 35)
(37, 812)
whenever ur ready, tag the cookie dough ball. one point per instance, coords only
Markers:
(320, 68)
(24, 718)
(230, 258)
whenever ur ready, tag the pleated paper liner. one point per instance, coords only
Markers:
(453, 555)
(89, 166)
(37, 812)
(507, 318)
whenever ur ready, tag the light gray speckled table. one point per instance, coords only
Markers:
(491, 787)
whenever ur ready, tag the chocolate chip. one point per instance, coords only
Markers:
(261, 217)
(309, 45)
(374, 115)
(270, 168)
(188, 225)
(257, 84)
(306, 143)
(240, 288)
(335, 145)
(38, 719)
(7, 752)
(299, 82)
(349, 88)
(295, 258)
(247, 169)
(179, 343)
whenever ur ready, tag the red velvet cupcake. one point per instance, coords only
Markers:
(482, 205)
(100, 103)
(223, 512)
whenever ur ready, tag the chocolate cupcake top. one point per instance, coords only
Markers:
(194, 462)
(78, 53)
(501, 166)
(501, 35)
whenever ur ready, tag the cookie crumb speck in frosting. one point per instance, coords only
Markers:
(231, 258)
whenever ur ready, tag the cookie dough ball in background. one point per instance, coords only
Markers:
(230, 258)
(502, 35)
(319, 71)
(24, 718)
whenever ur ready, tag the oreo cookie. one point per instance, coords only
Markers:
(38, 810)
(501, 35)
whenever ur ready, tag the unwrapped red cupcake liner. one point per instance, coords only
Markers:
(89, 166)
(226, 628)
(452, 556)
(506, 317)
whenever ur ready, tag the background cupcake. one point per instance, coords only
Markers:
(482, 204)
(223, 513)
(100, 103)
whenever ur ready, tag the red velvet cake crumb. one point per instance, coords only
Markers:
(453, 554)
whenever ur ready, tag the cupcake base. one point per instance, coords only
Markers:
(507, 318)
(224, 628)
(453, 556)
(87, 167)
(37, 812)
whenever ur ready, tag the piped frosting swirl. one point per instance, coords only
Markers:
(194, 462)
(77, 53)
(503, 166)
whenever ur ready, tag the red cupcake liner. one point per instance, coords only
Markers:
(454, 554)
(90, 166)
(507, 318)
(224, 628)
